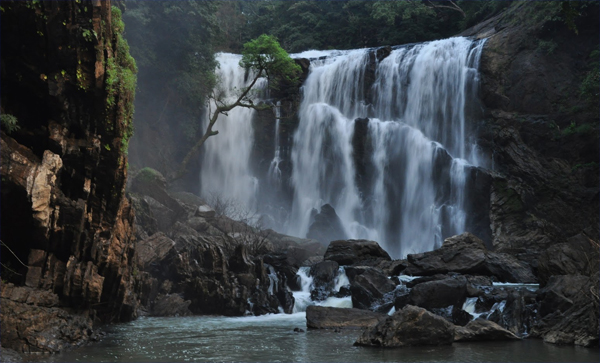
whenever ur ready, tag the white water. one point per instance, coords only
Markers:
(419, 141)
(418, 112)
(302, 297)
(226, 158)
(274, 173)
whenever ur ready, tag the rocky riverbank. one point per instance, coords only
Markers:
(463, 292)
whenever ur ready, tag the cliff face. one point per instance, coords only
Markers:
(540, 130)
(67, 235)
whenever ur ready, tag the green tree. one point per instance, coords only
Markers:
(264, 57)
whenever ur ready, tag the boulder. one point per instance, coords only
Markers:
(327, 226)
(352, 252)
(480, 329)
(152, 250)
(171, 305)
(410, 326)
(321, 317)
(369, 287)
(323, 274)
(439, 293)
(467, 254)
(9, 355)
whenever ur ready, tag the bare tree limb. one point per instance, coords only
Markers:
(453, 6)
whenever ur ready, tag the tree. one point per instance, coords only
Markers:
(263, 57)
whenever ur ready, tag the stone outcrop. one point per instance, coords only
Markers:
(201, 262)
(411, 326)
(353, 252)
(67, 228)
(321, 317)
(467, 254)
(480, 329)
(326, 226)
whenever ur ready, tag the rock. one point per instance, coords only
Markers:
(171, 305)
(480, 329)
(439, 293)
(327, 226)
(466, 254)
(9, 355)
(352, 252)
(39, 329)
(152, 250)
(369, 287)
(411, 326)
(579, 255)
(323, 274)
(321, 317)
(298, 330)
(568, 312)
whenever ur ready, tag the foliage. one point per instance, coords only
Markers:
(149, 175)
(547, 46)
(121, 79)
(265, 54)
(345, 24)
(589, 88)
(9, 123)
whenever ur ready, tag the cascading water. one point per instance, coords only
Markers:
(226, 157)
(418, 133)
(274, 173)
(408, 190)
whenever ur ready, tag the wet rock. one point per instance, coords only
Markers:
(171, 305)
(298, 330)
(321, 317)
(327, 226)
(410, 326)
(439, 293)
(323, 274)
(352, 252)
(480, 329)
(369, 287)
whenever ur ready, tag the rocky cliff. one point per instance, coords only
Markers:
(540, 127)
(67, 229)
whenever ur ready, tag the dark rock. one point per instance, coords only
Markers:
(240, 262)
(480, 329)
(579, 255)
(9, 355)
(327, 226)
(298, 330)
(440, 293)
(410, 326)
(152, 250)
(568, 312)
(460, 317)
(352, 252)
(171, 305)
(369, 287)
(323, 274)
(467, 254)
(320, 317)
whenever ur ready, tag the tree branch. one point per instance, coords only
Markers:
(221, 109)
(453, 7)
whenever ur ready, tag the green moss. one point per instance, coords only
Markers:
(149, 175)
(121, 80)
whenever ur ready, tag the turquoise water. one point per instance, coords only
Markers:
(272, 338)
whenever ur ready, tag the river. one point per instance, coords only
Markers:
(271, 338)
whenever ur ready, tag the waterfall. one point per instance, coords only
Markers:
(274, 173)
(226, 158)
(411, 113)
(418, 133)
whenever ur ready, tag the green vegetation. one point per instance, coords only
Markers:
(574, 129)
(265, 57)
(589, 89)
(547, 46)
(9, 123)
(121, 79)
(149, 175)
